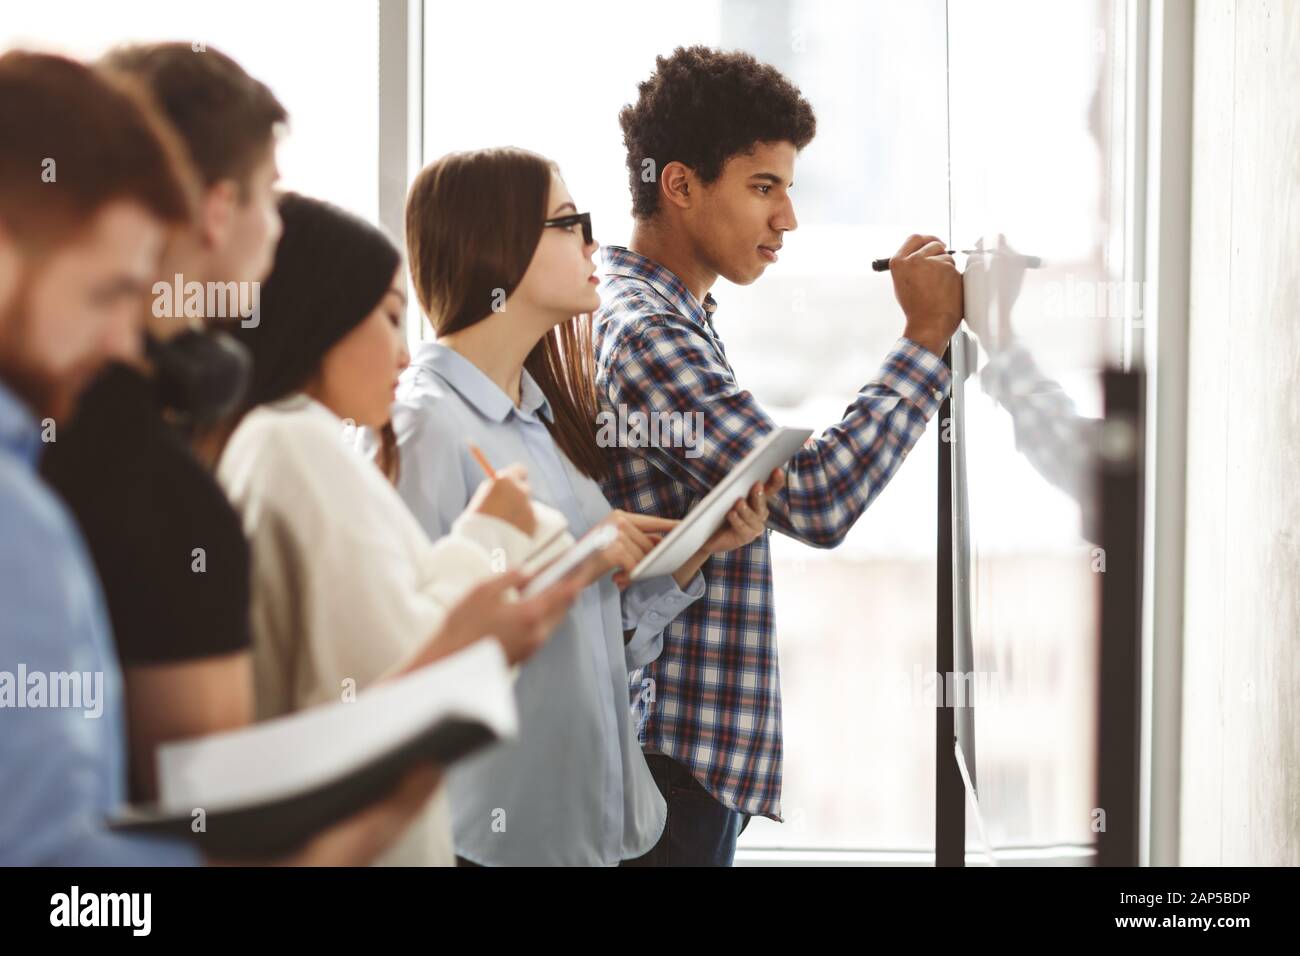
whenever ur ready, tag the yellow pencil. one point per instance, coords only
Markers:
(482, 460)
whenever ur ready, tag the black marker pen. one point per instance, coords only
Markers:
(1031, 262)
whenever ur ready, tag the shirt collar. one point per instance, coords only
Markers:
(621, 261)
(304, 403)
(477, 389)
(19, 433)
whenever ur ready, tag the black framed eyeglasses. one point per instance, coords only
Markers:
(564, 222)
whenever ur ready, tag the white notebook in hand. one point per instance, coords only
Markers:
(263, 790)
(773, 450)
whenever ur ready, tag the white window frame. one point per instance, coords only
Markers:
(1160, 139)
(401, 126)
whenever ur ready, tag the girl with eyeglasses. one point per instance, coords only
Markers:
(501, 261)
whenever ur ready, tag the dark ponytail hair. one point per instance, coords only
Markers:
(331, 271)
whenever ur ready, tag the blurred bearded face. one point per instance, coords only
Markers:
(67, 311)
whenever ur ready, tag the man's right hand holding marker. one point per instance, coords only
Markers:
(928, 287)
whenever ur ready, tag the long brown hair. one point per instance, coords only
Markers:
(473, 221)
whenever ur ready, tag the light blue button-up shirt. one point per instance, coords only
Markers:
(62, 725)
(573, 788)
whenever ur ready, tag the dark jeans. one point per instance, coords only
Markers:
(700, 831)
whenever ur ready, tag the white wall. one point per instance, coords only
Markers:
(1241, 665)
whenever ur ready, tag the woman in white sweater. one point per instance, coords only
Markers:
(347, 588)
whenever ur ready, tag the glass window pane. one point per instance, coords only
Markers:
(1037, 179)
(327, 77)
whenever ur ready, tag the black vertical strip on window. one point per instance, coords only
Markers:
(1119, 473)
(949, 791)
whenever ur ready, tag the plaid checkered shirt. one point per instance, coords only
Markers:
(712, 699)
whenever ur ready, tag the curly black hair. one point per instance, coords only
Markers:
(702, 106)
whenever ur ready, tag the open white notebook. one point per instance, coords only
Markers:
(266, 788)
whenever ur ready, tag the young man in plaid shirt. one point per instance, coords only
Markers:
(711, 146)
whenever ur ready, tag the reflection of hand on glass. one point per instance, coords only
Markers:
(997, 274)
(1054, 438)
(1049, 432)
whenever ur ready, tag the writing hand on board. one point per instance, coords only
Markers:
(928, 288)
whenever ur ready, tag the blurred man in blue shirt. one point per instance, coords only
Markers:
(90, 185)
(88, 188)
